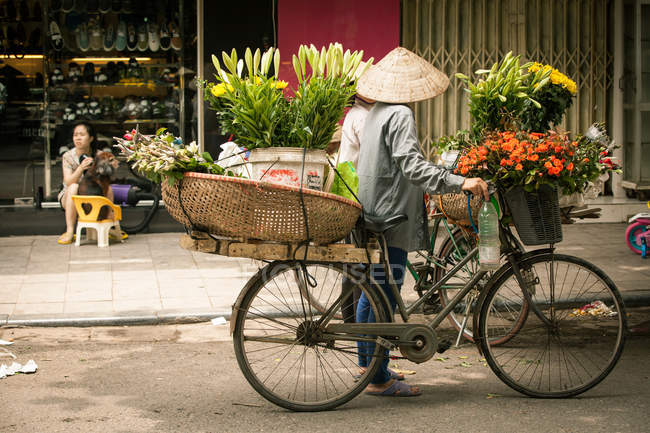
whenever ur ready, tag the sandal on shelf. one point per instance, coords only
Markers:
(397, 389)
(64, 240)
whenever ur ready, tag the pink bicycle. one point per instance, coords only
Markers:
(637, 234)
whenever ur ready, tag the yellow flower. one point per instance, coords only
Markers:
(281, 84)
(258, 80)
(557, 77)
(218, 90)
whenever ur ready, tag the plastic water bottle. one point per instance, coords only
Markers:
(489, 247)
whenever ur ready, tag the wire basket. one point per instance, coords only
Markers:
(248, 209)
(536, 214)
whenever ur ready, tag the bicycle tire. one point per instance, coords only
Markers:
(553, 361)
(452, 253)
(281, 369)
(631, 233)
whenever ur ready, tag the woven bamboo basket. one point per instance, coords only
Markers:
(248, 209)
(454, 207)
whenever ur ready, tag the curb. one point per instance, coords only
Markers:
(176, 317)
(125, 319)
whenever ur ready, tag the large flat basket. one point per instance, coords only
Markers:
(248, 209)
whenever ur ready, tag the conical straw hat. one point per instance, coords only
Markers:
(402, 77)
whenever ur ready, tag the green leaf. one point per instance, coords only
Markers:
(207, 156)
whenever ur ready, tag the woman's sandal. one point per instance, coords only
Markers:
(117, 237)
(397, 389)
(63, 240)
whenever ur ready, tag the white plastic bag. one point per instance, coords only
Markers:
(232, 158)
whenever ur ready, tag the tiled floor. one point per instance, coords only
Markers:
(151, 273)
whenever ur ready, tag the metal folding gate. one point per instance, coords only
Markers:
(466, 35)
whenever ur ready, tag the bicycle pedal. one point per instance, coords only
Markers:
(443, 345)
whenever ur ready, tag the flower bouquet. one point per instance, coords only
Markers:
(162, 155)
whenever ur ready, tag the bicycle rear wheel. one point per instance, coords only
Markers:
(282, 348)
(574, 333)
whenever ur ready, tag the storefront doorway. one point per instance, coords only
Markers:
(636, 96)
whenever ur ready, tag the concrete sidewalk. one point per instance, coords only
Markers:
(151, 279)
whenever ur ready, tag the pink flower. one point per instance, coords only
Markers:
(128, 137)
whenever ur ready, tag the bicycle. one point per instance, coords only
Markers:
(637, 234)
(561, 319)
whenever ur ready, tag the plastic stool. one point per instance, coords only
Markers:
(88, 220)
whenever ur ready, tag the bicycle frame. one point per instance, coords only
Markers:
(375, 331)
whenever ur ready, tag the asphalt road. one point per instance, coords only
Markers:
(184, 378)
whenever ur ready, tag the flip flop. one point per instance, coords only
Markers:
(115, 237)
(397, 389)
(64, 241)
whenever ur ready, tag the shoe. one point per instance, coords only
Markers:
(57, 78)
(109, 37)
(55, 36)
(154, 36)
(104, 6)
(176, 42)
(69, 114)
(134, 69)
(74, 73)
(142, 36)
(94, 109)
(131, 38)
(115, 235)
(121, 70)
(111, 73)
(81, 110)
(67, 5)
(82, 37)
(96, 41)
(89, 72)
(120, 36)
(165, 39)
(145, 109)
(65, 240)
(101, 77)
(397, 389)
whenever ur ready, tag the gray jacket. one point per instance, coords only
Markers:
(394, 175)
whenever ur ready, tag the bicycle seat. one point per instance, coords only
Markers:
(381, 225)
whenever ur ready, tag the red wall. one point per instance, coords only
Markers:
(369, 25)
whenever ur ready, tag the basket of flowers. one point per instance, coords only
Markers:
(213, 196)
(512, 107)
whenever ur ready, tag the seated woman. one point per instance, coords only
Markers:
(75, 162)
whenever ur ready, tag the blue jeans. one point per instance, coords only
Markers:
(397, 260)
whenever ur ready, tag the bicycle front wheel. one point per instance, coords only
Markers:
(574, 333)
(280, 341)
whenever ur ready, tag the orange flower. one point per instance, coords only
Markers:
(548, 165)
(519, 167)
(503, 162)
(464, 171)
(569, 166)
(533, 157)
(586, 160)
